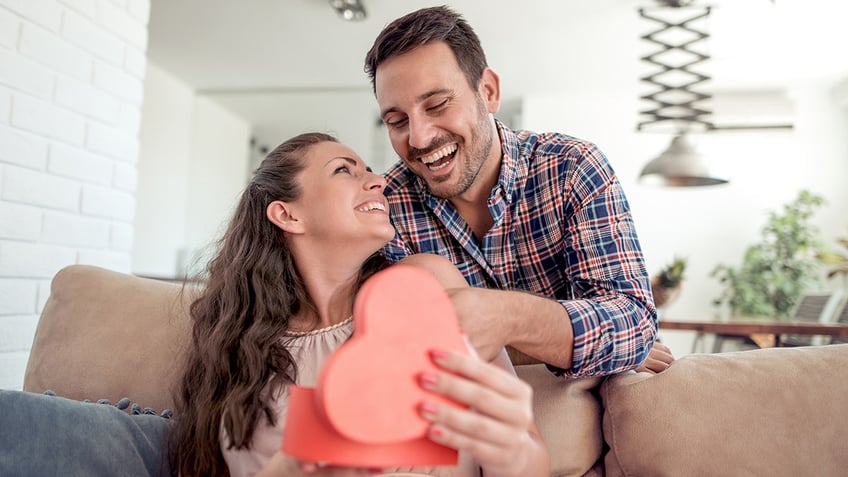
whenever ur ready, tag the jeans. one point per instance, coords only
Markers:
(43, 435)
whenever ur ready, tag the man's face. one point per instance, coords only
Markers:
(438, 125)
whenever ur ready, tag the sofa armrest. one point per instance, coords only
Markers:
(776, 412)
(109, 335)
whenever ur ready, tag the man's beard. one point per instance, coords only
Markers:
(476, 153)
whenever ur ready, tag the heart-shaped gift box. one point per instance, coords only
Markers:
(363, 411)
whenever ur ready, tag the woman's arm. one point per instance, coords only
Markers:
(282, 465)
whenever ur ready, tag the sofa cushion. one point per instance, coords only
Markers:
(94, 315)
(109, 335)
(568, 414)
(775, 412)
(50, 435)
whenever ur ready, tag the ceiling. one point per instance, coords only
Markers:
(247, 52)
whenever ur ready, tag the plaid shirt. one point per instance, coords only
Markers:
(562, 229)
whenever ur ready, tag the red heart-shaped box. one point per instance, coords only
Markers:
(367, 396)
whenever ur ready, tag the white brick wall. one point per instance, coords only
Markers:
(71, 83)
(54, 52)
(8, 29)
(5, 105)
(21, 73)
(17, 147)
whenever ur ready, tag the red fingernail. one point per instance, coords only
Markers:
(428, 409)
(438, 354)
(436, 432)
(428, 380)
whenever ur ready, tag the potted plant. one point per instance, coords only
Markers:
(779, 269)
(666, 284)
(837, 261)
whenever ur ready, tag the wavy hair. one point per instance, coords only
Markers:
(237, 344)
(424, 26)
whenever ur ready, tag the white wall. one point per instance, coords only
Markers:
(163, 171)
(217, 174)
(713, 225)
(194, 164)
(349, 114)
(71, 78)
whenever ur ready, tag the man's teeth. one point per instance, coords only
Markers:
(445, 151)
(372, 206)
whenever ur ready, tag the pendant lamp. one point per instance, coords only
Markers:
(681, 165)
(350, 10)
(674, 97)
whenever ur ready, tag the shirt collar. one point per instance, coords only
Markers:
(509, 160)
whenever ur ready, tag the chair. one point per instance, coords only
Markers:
(841, 317)
(820, 307)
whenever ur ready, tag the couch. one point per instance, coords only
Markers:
(770, 412)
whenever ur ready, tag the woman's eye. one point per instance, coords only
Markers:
(342, 169)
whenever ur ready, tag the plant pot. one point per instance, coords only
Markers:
(664, 296)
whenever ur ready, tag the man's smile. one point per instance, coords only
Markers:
(439, 158)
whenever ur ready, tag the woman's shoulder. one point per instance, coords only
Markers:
(440, 267)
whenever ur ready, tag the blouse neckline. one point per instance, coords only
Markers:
(319, 330)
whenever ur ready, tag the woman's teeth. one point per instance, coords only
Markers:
(371, 206)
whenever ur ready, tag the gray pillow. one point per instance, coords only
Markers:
(49, 435)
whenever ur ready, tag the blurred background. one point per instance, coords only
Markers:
(129, 127)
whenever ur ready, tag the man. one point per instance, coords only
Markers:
(537, 223)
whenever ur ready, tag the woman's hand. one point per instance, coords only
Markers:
(282, 465)
(497, 428)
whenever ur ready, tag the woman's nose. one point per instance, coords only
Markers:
(375, 181)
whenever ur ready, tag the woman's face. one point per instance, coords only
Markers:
(342, 202)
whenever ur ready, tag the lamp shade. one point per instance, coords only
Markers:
(681, 165)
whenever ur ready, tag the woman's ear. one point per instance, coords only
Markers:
(280, 214)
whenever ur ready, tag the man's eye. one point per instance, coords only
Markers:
(395, 123)
(439, 106)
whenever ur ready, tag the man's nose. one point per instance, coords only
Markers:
(421, 132)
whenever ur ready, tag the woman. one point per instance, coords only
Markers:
(304, 237)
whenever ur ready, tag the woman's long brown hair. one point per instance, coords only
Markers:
(237, 346)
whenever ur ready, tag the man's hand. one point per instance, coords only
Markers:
(659, 359)
(482, 318)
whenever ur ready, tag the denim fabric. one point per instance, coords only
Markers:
(42, 435)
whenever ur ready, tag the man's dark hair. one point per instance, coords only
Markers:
(425, 26)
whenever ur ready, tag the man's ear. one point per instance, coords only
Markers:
(280, 214)
(490, 90)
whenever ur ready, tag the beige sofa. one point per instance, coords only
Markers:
(774, 412)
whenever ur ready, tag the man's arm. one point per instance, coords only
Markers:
(536, 327)
(530, 349)
(611, 310)
(607, 324)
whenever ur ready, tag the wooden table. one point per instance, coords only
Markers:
(763, 331)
